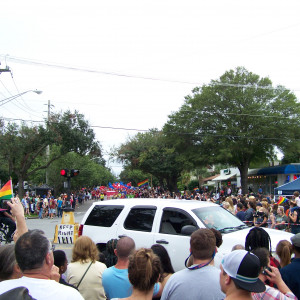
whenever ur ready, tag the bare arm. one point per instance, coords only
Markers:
(273, 221)
(275, 277)
(293, 216)
(17, 211)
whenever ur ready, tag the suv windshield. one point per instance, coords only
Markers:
(219, 218)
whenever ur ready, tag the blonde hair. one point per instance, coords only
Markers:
(226, 205)
(85, 250)
(281, 208)
(284, 252)
(265, 204)
(144, 269)
(229, 200)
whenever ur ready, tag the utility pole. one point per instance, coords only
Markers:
(48, 147)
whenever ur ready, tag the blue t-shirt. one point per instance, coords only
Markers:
(116, 283)
(241, 215)
(290, 275)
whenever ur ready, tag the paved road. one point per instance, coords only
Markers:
(48, 226)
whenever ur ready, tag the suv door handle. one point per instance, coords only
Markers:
(122, 235)
(162, 242)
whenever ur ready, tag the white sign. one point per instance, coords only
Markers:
(65, 233)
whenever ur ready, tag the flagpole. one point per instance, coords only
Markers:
(11, 187)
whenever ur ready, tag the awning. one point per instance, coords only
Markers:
(224, 177)
(283, 169)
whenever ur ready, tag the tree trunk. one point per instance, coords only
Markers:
(172, 184)
(20, 187)
(243, 168)
(200, 181)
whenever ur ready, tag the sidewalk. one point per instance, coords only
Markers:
(48, 225)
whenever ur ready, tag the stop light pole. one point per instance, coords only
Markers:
(65, 173)
(67, 231)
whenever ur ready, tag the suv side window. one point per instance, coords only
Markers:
(173, 220)
(104, 215)
(140, 218)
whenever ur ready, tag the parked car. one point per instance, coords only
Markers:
(168, 222)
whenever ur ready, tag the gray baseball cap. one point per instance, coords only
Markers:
(296, 240)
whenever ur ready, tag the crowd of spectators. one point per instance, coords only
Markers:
(250, 271)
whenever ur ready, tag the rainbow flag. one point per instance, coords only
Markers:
(7, 191)
(146, 181)
(282, 200)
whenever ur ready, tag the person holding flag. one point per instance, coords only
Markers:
(6, 218)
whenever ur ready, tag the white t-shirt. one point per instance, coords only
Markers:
(42, 289)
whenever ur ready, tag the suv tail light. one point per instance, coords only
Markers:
(80, 230)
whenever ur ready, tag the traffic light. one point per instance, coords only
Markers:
(74, 173)
(64, 172)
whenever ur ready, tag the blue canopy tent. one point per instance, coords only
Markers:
(288, 189)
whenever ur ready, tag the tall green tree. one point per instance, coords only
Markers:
(150, 153)
(236, 120)
(22, 145)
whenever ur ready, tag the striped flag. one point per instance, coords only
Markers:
(7, 191)
(146, 181)
(282, 200)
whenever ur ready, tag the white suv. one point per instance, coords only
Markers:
(165, 221)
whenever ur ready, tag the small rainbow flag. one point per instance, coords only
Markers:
(282, 200)
(146, 181)
(6, 192)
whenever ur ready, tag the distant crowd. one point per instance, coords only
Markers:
(32, 268)
(254, 210)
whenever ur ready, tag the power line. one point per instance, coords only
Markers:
(12, 97)
(82, 69)
(27, 106)
(179, 133)
(235, 114)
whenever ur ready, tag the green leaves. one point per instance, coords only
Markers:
(23, 145)
(151, 153)
(235, 119)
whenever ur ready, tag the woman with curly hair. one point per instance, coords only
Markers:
(85, 271)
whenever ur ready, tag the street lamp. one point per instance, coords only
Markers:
(6, 100)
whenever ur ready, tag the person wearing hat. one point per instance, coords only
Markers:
(239, 275)
(290, 273)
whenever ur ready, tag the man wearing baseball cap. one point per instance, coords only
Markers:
(239, 275)
(290, 273)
